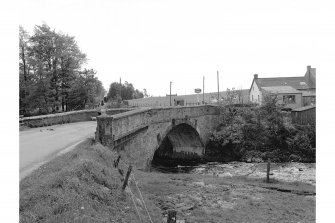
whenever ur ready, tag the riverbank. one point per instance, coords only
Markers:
(84, 184)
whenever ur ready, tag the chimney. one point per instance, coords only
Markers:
(308, 68)
(255, 76)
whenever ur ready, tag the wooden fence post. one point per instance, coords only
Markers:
(116, 162)
(125, 182)
(268, 172)
(172, 218)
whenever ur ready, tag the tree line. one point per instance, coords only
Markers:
(51, 74)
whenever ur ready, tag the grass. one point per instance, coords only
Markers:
(80, 186)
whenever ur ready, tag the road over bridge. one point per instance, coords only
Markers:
(173, 132)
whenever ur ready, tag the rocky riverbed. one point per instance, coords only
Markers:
(237, 192)
(289, 172)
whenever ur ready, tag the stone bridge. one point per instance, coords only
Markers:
(172, 132)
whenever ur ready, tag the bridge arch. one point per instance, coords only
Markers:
(180, 141)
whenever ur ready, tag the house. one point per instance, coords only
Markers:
(294, 92)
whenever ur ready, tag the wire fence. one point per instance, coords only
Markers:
(125, 166)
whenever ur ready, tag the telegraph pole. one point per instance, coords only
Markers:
(218, 86)
(203, 90)
(171, 94)
(120, 89)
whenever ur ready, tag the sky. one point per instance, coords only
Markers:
(150, 42)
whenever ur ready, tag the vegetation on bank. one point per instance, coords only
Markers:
(258, 133)
(51, 73)
(79, 186)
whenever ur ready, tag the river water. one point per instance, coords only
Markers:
(290, 172)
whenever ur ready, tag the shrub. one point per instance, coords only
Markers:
(258, 133)
(252, 156)
(300, 145)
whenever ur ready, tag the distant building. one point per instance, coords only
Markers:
(294, 92)
(188, 100)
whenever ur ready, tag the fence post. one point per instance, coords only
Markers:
(268, 172)
(125, 182)
(116, 162)
(172, 216)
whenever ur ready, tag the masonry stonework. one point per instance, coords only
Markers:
(138, 134)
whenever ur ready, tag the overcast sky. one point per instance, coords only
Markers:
(150, 42)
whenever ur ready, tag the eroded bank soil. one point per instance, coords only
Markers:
(234, 192)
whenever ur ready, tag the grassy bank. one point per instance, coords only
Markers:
(81, 185)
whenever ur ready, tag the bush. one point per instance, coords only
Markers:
(224, 144)
(254, 134)
(254, 156)
(300, 145)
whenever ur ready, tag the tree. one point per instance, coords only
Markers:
(86, 90)
(51, 73)
(127, 91)
(114, 91)
(23, 68)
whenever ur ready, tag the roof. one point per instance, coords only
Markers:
(306, 94)
(304, 108)
(282, 90)
(295, 82)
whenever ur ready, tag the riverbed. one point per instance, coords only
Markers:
(234, 192)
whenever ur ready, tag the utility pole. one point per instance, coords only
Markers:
(218, 86)
(171, 94)
(120, 89)
(203, 90)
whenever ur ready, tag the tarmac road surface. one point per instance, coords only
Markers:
(39, 145)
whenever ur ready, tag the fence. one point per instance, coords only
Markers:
(304, 115)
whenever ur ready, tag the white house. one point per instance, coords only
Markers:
(294, 92)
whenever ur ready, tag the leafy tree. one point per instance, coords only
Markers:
(51, 73)
(24, 69)
(127, 91)
(114, 91)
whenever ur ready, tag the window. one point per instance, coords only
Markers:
(258, 97)
(289, 99)
(252, 96)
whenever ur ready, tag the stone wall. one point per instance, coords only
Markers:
(66, 117)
